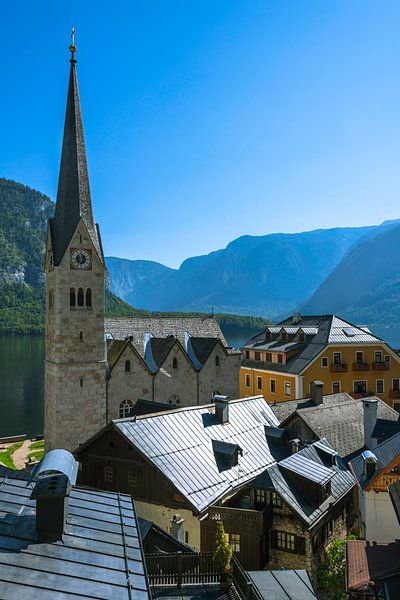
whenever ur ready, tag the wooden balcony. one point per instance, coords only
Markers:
(380, 366)
(338, 368)
(195, 570)
(243, 518)
(358, 366)
(394, 393)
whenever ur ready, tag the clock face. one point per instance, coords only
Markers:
(81, 259)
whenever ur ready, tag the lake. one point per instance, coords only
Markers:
(22, 381)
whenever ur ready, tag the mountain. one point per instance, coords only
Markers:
(365, 286)
(261, 275)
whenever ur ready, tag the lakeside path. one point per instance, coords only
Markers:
(21, 454)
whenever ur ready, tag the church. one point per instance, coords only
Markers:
(96, 369)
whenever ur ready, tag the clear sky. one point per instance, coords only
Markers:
(209, 119)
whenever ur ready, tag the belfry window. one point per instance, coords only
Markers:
(125, 409)
(72, 297)
(175, 363)
(127, 366)
(89, 297)
(217, 361)
(80, 297)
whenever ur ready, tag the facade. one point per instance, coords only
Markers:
(374, 470)
(282, 361)
(176, 361)
(75, 365)
(229, 462)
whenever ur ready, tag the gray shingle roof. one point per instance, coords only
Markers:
(99, 551)
(202, 347)
(321, 330)
(162, 327)
(385, 429)
(284, 585)
(180, 444)
(275, 478)
(385, 453)
(339, 418)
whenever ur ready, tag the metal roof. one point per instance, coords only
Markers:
(180, 444)
(385, 453)
(308, 510)
(100, 555)
(284, 585)
(343, 332)
(385, 429)
(309, 469)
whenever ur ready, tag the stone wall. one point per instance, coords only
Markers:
(176, 385)
(219, 376)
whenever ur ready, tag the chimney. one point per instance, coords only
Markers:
(294, 445)
(370, 406)
(221, 409)
(296, 318)
(177, 527)
(54, 477)
(370, 461)
(317, 392)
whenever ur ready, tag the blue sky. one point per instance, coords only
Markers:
(209, 119)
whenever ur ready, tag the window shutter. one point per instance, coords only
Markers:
(301, 545)
(273, 539)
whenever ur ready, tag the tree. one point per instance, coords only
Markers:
(223, 551)
(332, 568)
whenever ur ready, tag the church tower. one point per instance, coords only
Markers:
(75, 365)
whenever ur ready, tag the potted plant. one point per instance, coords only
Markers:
(223, 555)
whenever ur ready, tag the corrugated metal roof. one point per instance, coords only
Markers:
(275, 479)
(385, 453)
(284, 585)
(180, 444)
(309, 469)
(99, 556)
(343, 332)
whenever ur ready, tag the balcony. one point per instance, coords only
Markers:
(179, 575)
(380, 366)
(394, 393)
(338, 368)
(246, 519)
(361, 366)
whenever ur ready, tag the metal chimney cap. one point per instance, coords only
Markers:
(56, 462)
(220, 398)
(51, 486)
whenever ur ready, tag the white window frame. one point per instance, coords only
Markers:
(362, 356)
(340, 387)
(340, 357)
(383, 386)
(287, 383)
(322, 362)
(270, 385)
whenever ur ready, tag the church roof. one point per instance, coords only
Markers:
(73, 194)
(161, 327)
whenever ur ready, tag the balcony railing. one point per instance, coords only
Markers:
(394, 393)
(361, 366)
(175, 570)
(380, 366)
(254, 520)
(338, 368)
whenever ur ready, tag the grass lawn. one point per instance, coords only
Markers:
(6, 456)
(37, 450)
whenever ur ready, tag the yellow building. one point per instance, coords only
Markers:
(283, 360)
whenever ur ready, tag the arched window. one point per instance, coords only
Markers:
(175, 362)
(125, 409)
(89, 297)
(80, 297)
(127, 366)
(217, 361)
(72, 297)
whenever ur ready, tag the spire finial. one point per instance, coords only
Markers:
(72, 47)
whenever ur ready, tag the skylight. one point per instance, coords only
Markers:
(349, 331)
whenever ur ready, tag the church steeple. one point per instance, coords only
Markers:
(73, 195)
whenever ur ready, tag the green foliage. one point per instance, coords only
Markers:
(115, 307)
(6, 456)
(223, 551)
(332, 568)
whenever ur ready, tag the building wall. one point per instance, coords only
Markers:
(75, 366)
(280, 378)
(132, 385)
(162, 515)
(176, 386)
(222, 378)
(317, 372)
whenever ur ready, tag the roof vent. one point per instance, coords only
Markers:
(55, 476)
(221, 408)
(294, 445)
(370, 461)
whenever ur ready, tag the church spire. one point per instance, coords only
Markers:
(73, 194)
